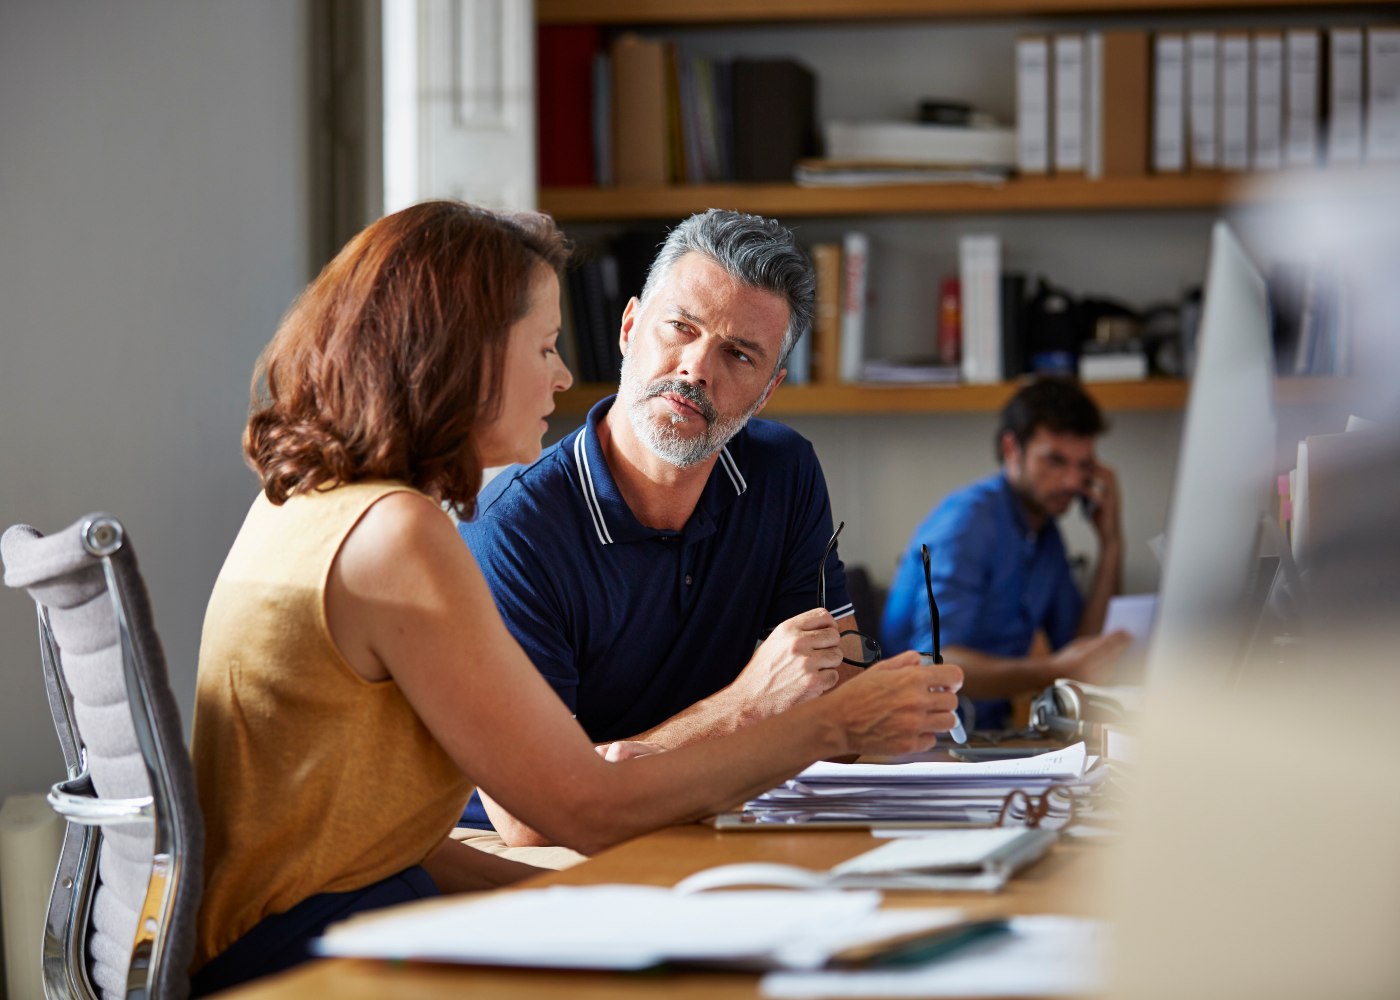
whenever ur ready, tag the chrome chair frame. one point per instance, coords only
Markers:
(65, 965)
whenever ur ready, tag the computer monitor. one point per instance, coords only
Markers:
(1224, 480)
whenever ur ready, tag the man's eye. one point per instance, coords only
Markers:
(741, 356)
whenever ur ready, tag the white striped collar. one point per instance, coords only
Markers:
(600, 493)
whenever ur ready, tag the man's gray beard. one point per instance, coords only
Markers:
(661, 438)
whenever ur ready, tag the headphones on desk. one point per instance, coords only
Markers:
(1066, 711)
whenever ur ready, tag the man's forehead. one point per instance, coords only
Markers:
(1043, 439)
(704, 292)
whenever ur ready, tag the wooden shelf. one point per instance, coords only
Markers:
(1060, 194)
(813, 400)
(759, 11)
(871, 400)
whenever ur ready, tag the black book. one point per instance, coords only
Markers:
(1014, 362)
(774, 116)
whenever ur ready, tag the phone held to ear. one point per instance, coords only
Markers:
(1088, 505)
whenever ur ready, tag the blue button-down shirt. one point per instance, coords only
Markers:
(997, 581)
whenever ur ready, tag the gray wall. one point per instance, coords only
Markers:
(154, 220)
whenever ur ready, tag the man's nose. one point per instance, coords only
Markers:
(697, 360)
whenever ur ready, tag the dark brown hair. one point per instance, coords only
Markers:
(387, 363)
(1056, 403)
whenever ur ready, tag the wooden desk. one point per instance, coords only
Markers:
(663, 858)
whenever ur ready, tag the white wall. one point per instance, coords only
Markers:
(154, 221)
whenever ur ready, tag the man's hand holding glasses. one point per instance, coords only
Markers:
(797, 661)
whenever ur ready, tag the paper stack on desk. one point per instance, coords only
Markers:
(917, 794)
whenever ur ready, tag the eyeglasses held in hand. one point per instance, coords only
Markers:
(869, 648)
(935, 655)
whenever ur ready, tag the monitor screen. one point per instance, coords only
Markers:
(1224, 478)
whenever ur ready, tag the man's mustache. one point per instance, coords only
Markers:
(688, 391)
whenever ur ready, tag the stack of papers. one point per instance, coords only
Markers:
(923, 793)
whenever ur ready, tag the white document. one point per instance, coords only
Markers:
(1266, 147)
(1133, 614)
(1202, 73)
(1068, 124)
(609, 927)
(1382, 94)
(1042, 956)
(1303, 89)
(1234, 102)
(1032, 105)
(1347, 59)
(1169, 103)
(1069, 762)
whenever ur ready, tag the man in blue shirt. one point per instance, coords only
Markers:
(641, 559)
(999, 569)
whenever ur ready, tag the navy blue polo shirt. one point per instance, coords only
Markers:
(997, 581)
(631, 624)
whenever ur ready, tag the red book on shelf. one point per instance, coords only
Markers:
(950, 321)
(564, 74)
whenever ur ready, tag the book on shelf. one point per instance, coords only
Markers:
(1202, 111)
(826, 318)
(855, 287)
(921, 144)
(1169, 102)
(1382, 94)
(1345, 94)
(1014, 362)
(1119, 92)
(564, 124)
(641, 112)
(774, 118)
(1067, 125)
(1033, 110)
(949, 340)
(1266, 115)
(799, 361)
(1234, 100)
(1302, 96)
(979, 259)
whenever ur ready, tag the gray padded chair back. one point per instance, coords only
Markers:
(121, 919)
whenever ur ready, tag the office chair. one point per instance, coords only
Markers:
(121, 919)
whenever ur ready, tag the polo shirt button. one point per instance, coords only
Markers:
(687, 579)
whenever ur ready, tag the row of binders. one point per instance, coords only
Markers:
(1121, 103)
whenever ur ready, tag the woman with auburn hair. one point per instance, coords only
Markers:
(355, 678)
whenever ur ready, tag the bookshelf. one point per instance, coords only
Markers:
(767, 11)
(1201, 191)
(866, 399)
(1146, 197)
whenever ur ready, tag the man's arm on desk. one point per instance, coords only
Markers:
(1088, 658)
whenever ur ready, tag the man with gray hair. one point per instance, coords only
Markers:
(660, 565)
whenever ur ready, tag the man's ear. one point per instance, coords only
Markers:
(768, 394)
(1010, 450)
(629, 317)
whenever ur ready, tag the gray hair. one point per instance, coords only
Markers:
(759, 252)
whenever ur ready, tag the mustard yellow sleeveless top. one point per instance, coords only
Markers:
(311, 778)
